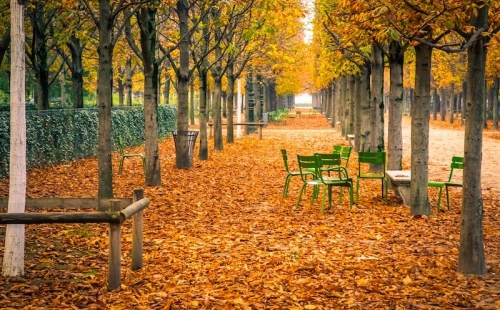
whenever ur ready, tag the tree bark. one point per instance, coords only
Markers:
(471, 258)
(76, 68)
(203, 75)
(230, 101)
(147, 23)
(13, 260)
(191, 104)
(128, 81)
(394, 133)
(495, 103)
(183, 158)
(443, 104)
(105, 51)
(453, 98)
(4, 44)
(435, 101)
(420, 112)
(377, 100)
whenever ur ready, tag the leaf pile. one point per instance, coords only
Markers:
(221, 236)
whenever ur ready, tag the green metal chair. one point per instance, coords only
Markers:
(125, 155)
(331, 173)
(457, 162)
(290, 174)
(345, 153)
(376, 162)
(309, 170)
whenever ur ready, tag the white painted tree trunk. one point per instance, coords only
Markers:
(13, 261)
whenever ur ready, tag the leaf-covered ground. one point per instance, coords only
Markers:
(220, 236)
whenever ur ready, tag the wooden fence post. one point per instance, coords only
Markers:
(114, 273)
(137, 226)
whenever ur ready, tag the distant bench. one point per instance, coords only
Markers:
(400, 180)
(260, 124)
(351, 140)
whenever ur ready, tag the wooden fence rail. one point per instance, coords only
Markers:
(115, 216)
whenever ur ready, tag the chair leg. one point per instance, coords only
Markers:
(300, 196)
(357, 190)
(287, 183)
(121, 165)
(341, 190)
(447, 198)
(438, 207)
(384, 186)
(350, 196)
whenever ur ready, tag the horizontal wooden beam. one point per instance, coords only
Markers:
(133, 209)
(68, 203)
(60, 217)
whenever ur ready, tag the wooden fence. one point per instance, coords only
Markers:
(115, 216)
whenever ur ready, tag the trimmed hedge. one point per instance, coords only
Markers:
(56, 136)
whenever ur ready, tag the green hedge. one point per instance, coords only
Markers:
(56, 136)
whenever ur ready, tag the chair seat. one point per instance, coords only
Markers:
(453, 184)
(435, 184)
(372, 176)
(133, 155)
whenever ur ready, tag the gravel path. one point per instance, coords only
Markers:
(444, 143)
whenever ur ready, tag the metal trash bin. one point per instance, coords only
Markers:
(191, 136)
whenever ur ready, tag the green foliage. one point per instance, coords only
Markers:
(55, 136)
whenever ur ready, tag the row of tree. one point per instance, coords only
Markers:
(353, 38)
(212, 40)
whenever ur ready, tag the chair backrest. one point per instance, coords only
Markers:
(344, 151)
(457, 162)
(308, 166)
(285, 160)
(120, 145)
(328, 159)
(375, 159)
(329, 163)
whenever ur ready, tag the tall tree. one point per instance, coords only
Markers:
(13, 261)
(146, 20)
(105, 21)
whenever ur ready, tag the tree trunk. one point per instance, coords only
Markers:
(166, 91)
(365, 108)
(128, 81)
(420, 112)
(394, 133)
(495, 103)
(351, 106)
(435, 100)
(230, 102)
(63, 87)
(453, 98)
(183, 155)
(76, 49)
(443, 104)
(191, 104)
(471, 259)
(4, 44)
(40, 53)
(377, 100)
(464, 105)
(147, 21)
(203, 75)
(344, 99)
(121, 91)
(105, 51)
(218, 143)
(258, 105)
(13, 260)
